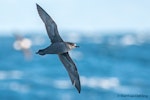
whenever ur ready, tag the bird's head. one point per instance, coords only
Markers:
(40, 52)
(72, 45)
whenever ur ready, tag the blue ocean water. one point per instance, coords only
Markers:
(111, 67)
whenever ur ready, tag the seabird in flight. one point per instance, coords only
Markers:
(59, 47)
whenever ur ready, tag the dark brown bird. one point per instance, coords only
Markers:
(59, 47)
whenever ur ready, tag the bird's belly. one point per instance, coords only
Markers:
(57, 48)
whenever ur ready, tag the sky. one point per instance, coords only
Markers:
(84, 15)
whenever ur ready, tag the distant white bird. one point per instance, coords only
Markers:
(23, 44)
(59, 47)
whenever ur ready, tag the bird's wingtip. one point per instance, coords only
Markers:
(79, 91)
(78, 87)
(37, 4)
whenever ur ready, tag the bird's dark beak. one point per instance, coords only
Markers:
(36, 52)
(77, 46)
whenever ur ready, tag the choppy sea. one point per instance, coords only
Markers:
(111, 67)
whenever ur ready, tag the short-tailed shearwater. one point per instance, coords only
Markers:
(59, 47)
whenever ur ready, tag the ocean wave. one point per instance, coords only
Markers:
(102, 83)
(13, 74)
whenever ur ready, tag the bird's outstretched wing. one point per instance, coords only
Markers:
(51, 26)
(72, 70)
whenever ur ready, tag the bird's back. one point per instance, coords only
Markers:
(57, 48)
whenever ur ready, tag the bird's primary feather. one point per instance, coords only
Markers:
(72, 70)
(50, 25)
